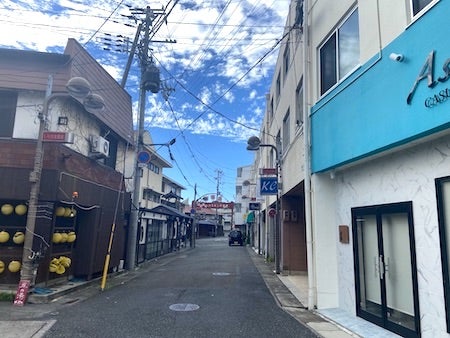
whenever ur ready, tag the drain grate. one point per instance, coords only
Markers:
(184, 307)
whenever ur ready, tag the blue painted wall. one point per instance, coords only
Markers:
(368, 112)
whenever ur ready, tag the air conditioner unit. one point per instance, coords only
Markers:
(99, 146)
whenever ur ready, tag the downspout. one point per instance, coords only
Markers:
(306, 133)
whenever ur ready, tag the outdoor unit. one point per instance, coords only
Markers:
(99, 146)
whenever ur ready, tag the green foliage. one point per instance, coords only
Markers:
(6, 296)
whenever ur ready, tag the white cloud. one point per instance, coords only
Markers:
(218, 42)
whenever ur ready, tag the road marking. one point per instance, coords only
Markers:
(184, 307)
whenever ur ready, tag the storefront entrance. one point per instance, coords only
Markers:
(385, 267)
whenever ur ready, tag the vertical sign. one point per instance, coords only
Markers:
(22, 292)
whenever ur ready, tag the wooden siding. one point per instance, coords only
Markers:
(118, 110)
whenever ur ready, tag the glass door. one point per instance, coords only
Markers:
(386, 280)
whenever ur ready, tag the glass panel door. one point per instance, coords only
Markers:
(398, 277)
(369, 266)
(386, 279)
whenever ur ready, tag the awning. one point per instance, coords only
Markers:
(251, 217)
(166, 210)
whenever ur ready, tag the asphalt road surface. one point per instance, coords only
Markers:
(212, 290)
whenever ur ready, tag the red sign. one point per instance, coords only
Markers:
(22, 293)
(215, 205)
(57, 136)
(272, 212)
(268, 171)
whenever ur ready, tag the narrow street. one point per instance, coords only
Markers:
(210, 291)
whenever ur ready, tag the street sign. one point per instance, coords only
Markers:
(268, 185)
(57, 136)
(144, 157)
(254, 206)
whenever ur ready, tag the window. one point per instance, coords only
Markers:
(153, 167)
(279, 148)
(340, 53)
(237, 207)
(286, 61)
(278, 88)
(299, 105)
(271, 109)
(238, 189)
(418, 5)
(239, 172)
(286, 126)
(8, 104)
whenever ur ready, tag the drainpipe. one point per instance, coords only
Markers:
(306, 133)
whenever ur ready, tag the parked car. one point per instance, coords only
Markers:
(235, 237)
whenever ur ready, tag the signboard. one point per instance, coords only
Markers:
(268, 186)
(268, 171)
(22, 293)
(215, 205)
(57, 136)
(254, 206)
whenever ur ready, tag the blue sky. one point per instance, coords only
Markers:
(220, 69)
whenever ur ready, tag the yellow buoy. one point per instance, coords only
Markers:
(7, 209)
(67, 212)
(60, 211)
(64, 237)
(14, 266)
(2, 266)
(56, 238)
(71, 237)
(19, 237)
(4, 236)
(20, 209)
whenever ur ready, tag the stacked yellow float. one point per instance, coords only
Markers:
(59, 265)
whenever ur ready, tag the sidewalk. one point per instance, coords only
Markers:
(292, 304)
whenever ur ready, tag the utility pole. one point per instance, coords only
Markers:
(150, 81)
(219, 176)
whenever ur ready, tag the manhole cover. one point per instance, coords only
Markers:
(221, 273)
(184, 307)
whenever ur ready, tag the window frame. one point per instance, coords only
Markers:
(278, 88)
(8, 112)
(299, 102)
(286, 129)
(286, 61)
(333, 41)
(415, 13)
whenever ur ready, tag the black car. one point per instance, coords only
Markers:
(235, 238)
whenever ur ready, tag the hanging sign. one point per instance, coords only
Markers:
(268, 185)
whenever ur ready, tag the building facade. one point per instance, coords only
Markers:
(369, 160)
(162, 224)
(82, 191)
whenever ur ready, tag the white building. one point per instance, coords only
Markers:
(366, 172)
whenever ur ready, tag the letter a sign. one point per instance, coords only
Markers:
(268, 186)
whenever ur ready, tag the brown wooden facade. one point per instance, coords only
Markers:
(100, 198)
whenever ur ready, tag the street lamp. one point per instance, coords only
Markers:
(254, 144)
(80, 89)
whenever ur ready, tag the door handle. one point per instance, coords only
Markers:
(382, 267)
